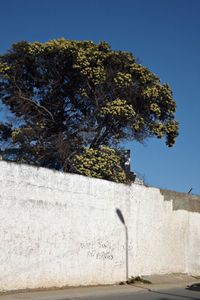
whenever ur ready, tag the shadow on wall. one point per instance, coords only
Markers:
(121, 217)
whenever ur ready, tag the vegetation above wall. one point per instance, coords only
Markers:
(70, 104)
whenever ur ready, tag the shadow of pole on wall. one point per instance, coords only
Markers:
(120, 215)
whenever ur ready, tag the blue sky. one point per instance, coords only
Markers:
(162, 34)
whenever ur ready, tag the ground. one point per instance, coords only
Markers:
(170, 287)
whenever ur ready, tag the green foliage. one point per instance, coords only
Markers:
(118, 108)
(102, 163)
(65, 97)
(138, 279)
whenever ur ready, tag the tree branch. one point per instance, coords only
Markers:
(38, 106)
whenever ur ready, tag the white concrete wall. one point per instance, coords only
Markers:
(62, 229)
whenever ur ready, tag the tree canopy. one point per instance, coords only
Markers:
(70, 104)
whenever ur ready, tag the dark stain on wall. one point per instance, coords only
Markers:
(182, 200)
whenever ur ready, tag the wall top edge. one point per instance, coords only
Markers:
(168, 194)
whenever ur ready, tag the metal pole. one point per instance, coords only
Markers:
(126, 231)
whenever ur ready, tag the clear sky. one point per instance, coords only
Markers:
(163, 34)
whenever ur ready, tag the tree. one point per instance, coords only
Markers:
(102, 163)
(68, 101)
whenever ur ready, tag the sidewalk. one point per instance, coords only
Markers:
(158, 282)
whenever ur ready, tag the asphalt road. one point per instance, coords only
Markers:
(108, 293)
(170, 294)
